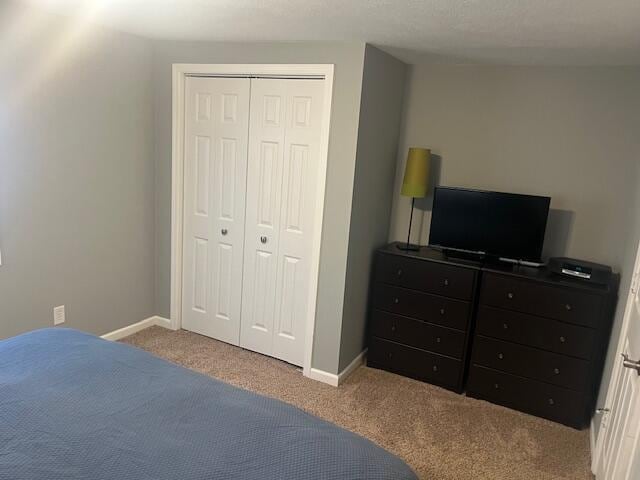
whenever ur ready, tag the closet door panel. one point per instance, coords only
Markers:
(281, 201)
(197, 271)
(264, 193)
(216, 139)
(303, 119)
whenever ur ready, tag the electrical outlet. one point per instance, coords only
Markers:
(58, 315)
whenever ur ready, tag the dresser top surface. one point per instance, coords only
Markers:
(541, 274)
(429, 254)
(544, 275)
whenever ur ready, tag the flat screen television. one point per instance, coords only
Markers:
(494, 224)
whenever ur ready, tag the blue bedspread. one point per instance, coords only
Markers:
(74, 406)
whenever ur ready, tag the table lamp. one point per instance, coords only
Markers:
(415, 184)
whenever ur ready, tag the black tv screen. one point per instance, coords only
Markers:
(496, 224)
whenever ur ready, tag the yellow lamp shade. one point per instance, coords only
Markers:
(416, 173)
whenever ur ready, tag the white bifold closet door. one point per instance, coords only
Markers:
(215, 172)
(284, 150)
(252, 152)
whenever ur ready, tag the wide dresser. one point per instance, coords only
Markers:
(517, 336)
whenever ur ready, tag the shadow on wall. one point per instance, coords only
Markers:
(556, 239)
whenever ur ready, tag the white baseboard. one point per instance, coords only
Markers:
(315, 374)
(359, 360)
(333, 379)
(163, 322)
(136, 327)
(324, 377)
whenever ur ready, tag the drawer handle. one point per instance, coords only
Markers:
(396, 300)
(510, 295)
(393, 328)
(551, 401)
(505, 326)
(562, 339)
(446, 282)
(442, 311)
(567, 307)
(390, 355)
(556, 371)
(500, 356)
(438, 340)
(496, 386)
(435, 368)
(224, 231)
(399, 272)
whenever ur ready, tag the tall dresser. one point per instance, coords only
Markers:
(420, 315)
(540, 341)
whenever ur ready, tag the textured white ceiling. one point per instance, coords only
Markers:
(527, 32)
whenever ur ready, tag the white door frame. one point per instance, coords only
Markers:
(596, 454)
(180, 72)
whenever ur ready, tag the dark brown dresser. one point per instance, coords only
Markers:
(517, 336)
(421, 308)
(540, 341)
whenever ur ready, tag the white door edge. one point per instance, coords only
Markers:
(597, 453)
(179, 73)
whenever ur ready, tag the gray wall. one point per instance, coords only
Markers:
(571, 133)
(76, 181)
(380, 117)
(348, 59)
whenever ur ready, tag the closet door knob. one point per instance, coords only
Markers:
(399, 272)
(446, 282)
(263, 239)
(442, 311)
(562, 339)
(505, 326)
(567, 307)
(224, 231)
(500, 356)
(510, 295)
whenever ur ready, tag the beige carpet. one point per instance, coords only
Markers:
(440, 434)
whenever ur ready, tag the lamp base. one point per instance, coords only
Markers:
(408, 247)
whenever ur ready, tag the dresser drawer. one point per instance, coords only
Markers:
(535, 331)
(447, 280)
(529, 362)
(413, 362)
(548, 301)
(417, 333)
(430, 308)
(530, 396)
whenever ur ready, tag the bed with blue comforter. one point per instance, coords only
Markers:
(74, 406)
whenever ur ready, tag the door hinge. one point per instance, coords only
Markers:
(604, 421)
